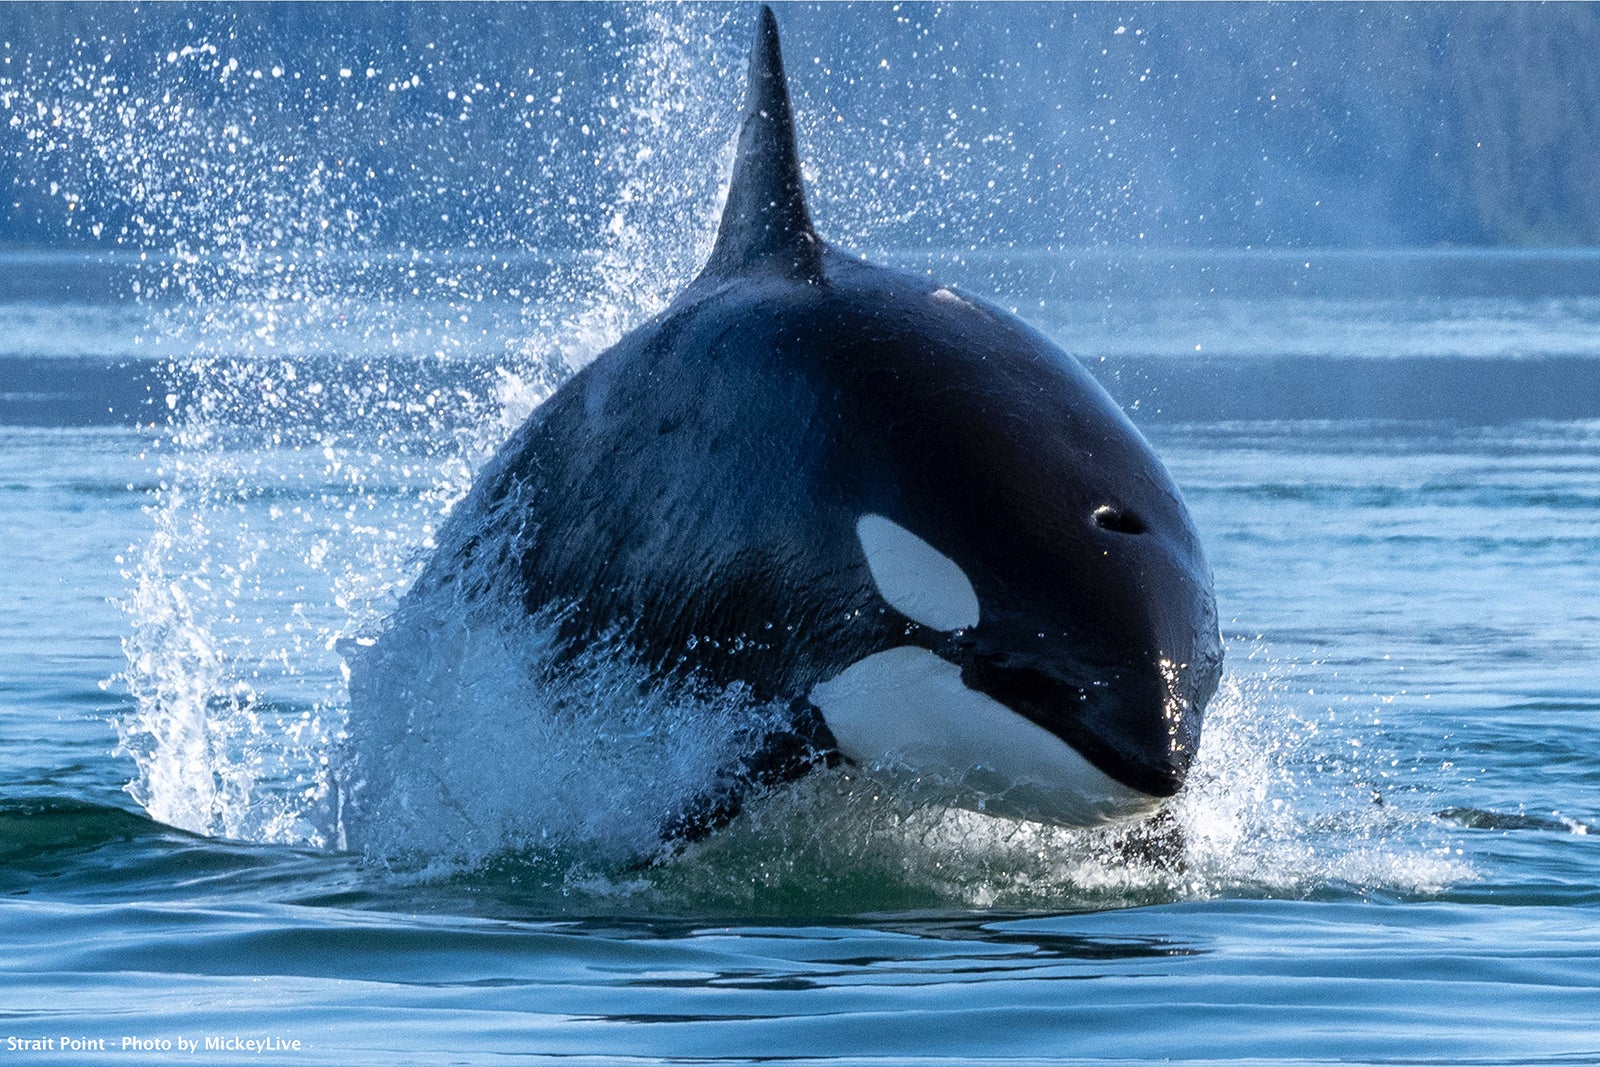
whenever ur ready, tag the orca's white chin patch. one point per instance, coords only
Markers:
(907, 709)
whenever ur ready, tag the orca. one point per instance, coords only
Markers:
(876, 501)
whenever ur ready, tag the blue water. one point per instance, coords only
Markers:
(1390, 854)
(229, 432)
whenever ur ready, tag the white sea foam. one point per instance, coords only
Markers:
(1252, 821)
(471, 737)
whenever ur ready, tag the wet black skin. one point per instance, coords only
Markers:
(697, 488)
(695, 491)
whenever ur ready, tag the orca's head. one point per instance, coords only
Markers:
(1062, 675)
(1053, 631)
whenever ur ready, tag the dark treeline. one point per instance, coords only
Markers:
(1206, 125)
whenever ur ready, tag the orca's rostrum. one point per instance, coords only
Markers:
(881, 502)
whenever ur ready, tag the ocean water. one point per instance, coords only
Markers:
(1389, 853)
(229, 430)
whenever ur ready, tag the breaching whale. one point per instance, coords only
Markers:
(880, 502)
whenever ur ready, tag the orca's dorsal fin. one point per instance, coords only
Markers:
(765, 223)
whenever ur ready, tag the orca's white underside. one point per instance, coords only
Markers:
(907, 709)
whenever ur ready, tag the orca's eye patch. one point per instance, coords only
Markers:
(916, 579)
(1118, 520)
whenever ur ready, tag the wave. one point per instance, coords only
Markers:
(68, 849)
(1482, 819)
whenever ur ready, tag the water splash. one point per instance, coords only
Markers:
(473, 736)
(1256, 820)
(335, 377)
(333, 374)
